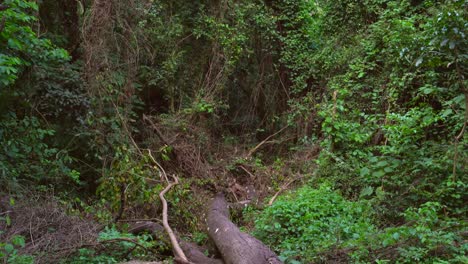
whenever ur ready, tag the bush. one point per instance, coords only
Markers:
(427, 237)
(9, 251)
(27, 158)
(307, 222)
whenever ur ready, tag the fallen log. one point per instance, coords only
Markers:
(235, 246)
(193, 252)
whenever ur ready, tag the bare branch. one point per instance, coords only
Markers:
(252, 151)
(284, 187)
(175, 244)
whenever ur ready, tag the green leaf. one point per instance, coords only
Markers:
(378, 173)
(364, 172)
(382, 163)
(9, 248)
(446, 112)
(367, 191)
(419, 61)
(388, 169)
(18, 241)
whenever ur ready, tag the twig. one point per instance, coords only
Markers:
(124, 124)
(282, 84)
(122, 203)
(178, 251)
(264, 141)
(186, 37)
(272, 200)
(457, 139)
(127, 254)
(156, 129)
(141, 220)
(247, 171)
(30, 233)
(163, 172)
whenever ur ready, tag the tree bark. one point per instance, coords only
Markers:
(235, 247)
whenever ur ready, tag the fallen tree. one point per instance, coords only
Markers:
(193, 252)
(234, 246)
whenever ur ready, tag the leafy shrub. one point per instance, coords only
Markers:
(26, 157)
(120, 248)
(396, 103)
(20, 46)
(311, 225)
(310, 221)
(9, 251)
(426, 237)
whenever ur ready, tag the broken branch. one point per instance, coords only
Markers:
(177, 250)
(252, 151)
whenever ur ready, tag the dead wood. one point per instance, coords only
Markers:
(51, 234)
(235, 246)
(284, 187)
(252, 151)
(175, 244)
(122, 203)
(193, 252)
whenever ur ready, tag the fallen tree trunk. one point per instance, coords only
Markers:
(235, 246)
(193, 253)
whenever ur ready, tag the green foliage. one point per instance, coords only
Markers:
(9, 251)
(301, 37)
(20, 46)
(379, 85)
(52, 89)
(426, 238)
(396, 104)
(131, 175)
(307, 222)
(27, 158)
(394, 101)
(118, 247)
(230, 34)
(58, 92)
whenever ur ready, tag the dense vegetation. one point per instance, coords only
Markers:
(354, 112)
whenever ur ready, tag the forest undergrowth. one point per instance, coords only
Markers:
(335, 129)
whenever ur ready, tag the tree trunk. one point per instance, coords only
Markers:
(193, 252)
(235, 247)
